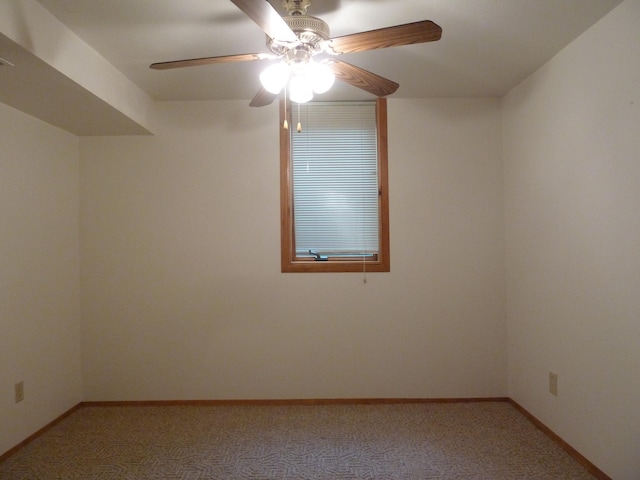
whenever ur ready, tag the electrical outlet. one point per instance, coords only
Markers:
(19, 391)
(553, 383)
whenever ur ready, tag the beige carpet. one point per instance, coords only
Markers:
(487, 440)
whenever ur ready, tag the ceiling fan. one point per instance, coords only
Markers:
(296, 38)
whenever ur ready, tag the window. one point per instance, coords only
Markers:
(333, 188)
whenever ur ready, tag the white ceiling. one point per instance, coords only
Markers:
(487, 46)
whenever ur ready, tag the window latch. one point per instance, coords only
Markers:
(318, 257)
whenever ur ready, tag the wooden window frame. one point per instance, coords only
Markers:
(292, 264)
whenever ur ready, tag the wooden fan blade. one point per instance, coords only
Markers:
(263, 98)
(194, 62)
(361, 78)
(418, 32)
(262, 13)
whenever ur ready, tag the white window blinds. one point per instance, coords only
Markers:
(335, 179)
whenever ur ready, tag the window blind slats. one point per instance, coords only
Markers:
(335, 179)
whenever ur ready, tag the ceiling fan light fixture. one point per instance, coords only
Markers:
(275, 77)
(303, 76)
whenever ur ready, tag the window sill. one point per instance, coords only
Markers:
(311, 266)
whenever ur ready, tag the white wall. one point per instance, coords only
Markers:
(182, 292)
(39, 274)
(572, 170)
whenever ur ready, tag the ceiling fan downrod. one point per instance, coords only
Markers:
(296, 7)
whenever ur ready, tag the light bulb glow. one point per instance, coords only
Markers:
(300, 90)
(321, 77)
(275, 77)
(303, 78)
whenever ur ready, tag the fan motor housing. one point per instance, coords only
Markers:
(311, 32)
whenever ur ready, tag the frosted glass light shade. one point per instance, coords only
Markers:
(321, 77)
(300, 90)
(275, 77)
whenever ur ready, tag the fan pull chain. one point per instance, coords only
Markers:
(286, 123)
(299, 127)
